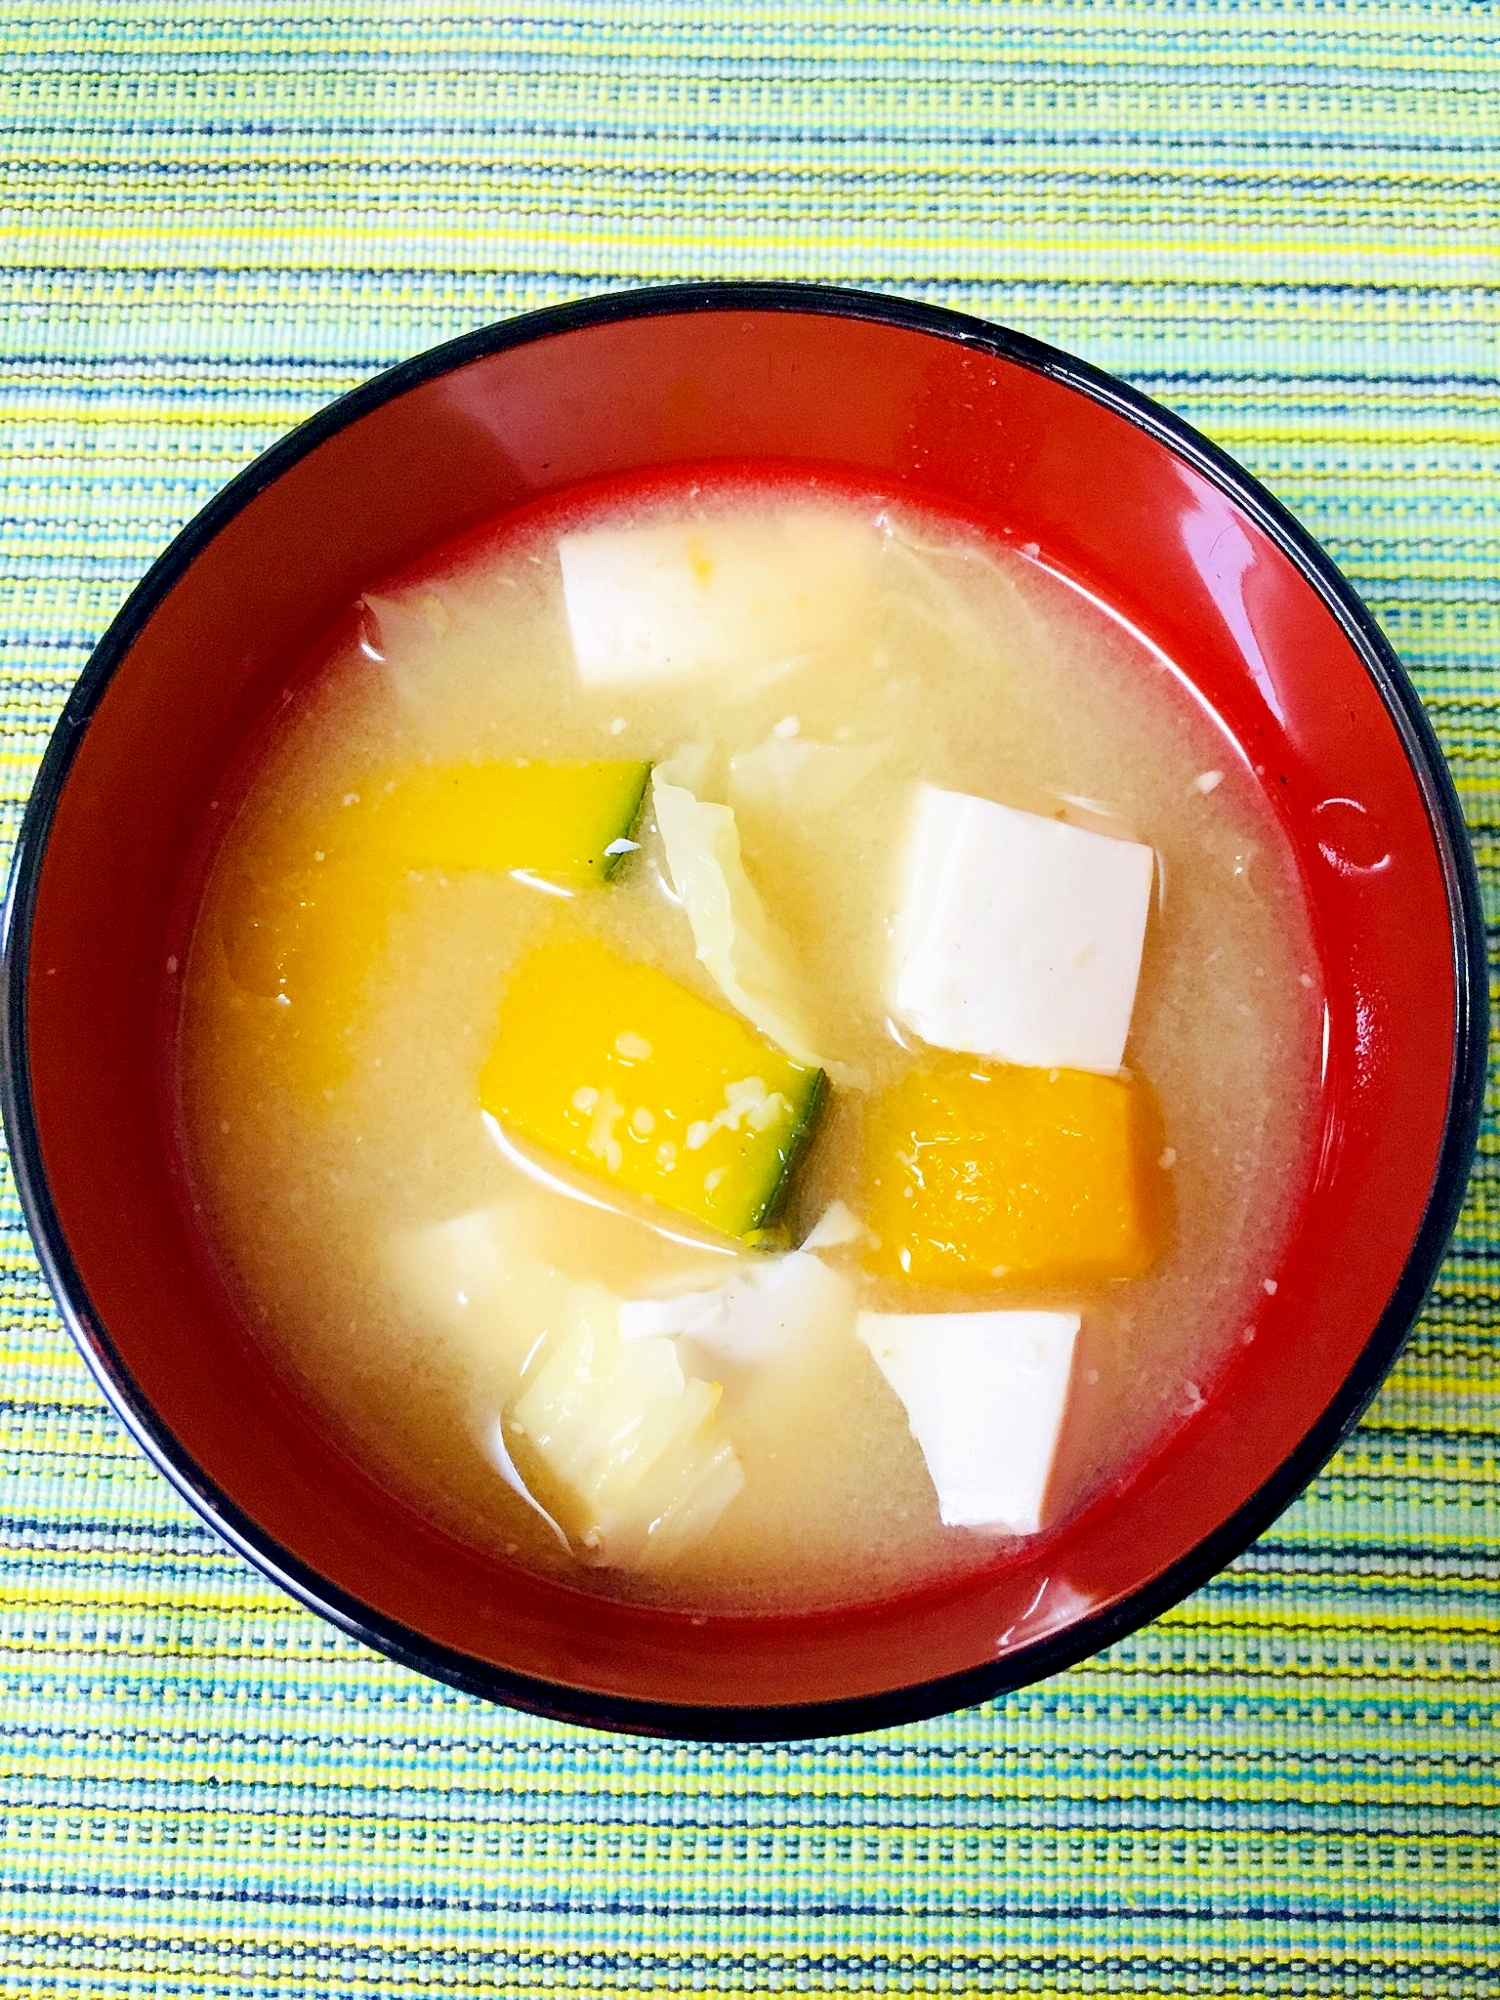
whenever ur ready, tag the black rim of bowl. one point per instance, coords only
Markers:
(927, 1698)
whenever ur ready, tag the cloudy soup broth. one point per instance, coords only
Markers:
(746, 1044)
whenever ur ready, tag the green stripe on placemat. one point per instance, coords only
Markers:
(1280, 220)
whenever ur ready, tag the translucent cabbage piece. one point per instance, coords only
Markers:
(627, 1445)
(797, 777)
(609, 1440)
(734, 937)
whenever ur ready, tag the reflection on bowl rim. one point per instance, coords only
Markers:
(1075, 1642)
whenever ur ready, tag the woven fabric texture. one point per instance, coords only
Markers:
(1281, 219)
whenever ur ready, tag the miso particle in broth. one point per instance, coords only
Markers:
(729, 1051)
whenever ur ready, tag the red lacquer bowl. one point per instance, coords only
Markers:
(1117, 494)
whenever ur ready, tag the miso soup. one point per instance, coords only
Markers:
(747, 1045)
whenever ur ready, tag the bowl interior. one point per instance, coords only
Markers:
(197, 661)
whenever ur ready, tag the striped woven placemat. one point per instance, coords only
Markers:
(1280, 219)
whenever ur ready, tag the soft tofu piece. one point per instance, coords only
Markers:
(766, 1306)
(838, 1224)
(675, 598)
(451, 1270)
(777, 1335)
(1018, 937)
(984, 1394)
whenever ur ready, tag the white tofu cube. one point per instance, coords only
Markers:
(984, 1395)
(657, 602)
(768, 1305)
(836, 1225)
(1018, 937)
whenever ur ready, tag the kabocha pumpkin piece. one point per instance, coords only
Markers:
(568, 823)
(618, 1069)
(308, 939)
(982, 1172)
(309, 928)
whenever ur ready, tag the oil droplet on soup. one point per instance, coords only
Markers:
(731, 1051)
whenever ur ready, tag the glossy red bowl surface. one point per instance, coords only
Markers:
(1118, 495)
